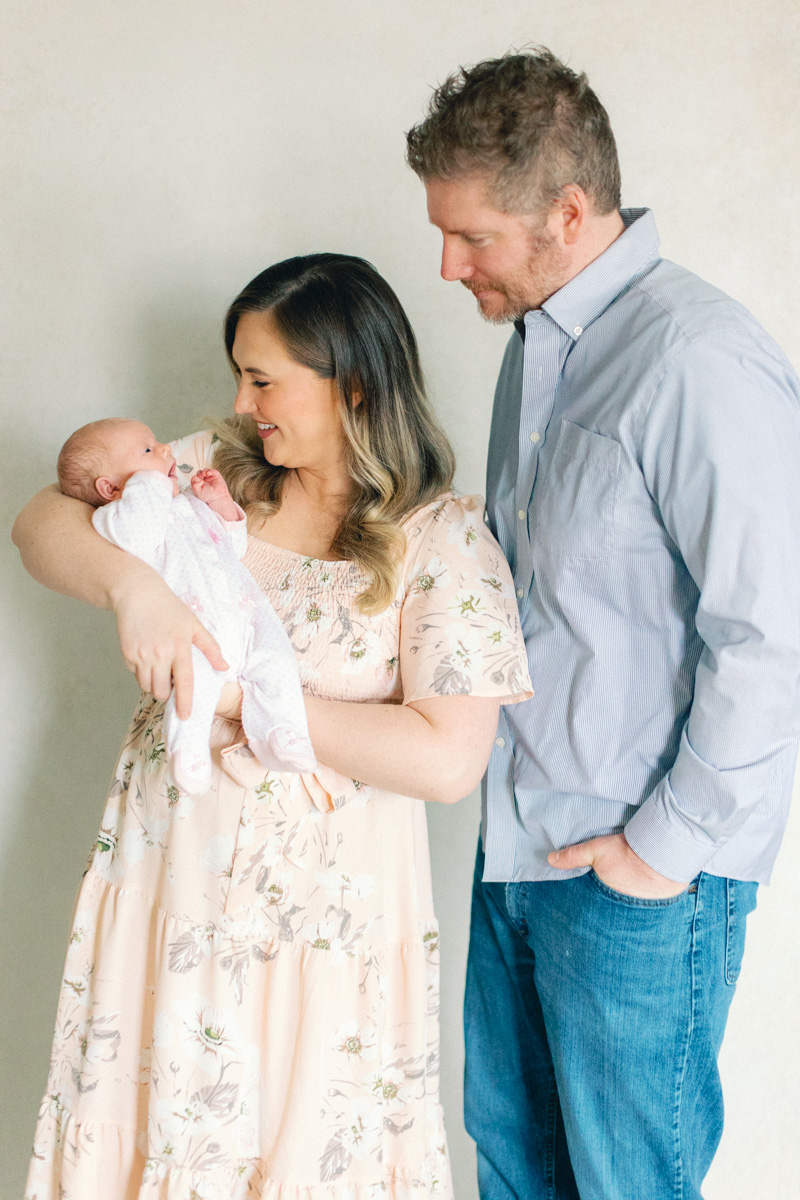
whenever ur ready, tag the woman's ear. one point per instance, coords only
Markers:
(107, 489)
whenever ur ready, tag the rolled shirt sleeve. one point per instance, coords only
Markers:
(721, 458)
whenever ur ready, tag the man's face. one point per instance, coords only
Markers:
(510, 263)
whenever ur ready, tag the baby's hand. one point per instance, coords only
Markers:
(208, 485)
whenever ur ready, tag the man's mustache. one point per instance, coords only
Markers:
(481, 287)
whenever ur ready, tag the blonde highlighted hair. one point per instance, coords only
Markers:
(339, 317)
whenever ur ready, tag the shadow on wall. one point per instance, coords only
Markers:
(79, 723)
(82, 700)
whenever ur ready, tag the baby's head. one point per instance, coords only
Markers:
(98, 459)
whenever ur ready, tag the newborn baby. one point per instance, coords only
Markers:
(195, 542)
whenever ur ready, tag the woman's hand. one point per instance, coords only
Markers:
(61, 549)
(156, 635)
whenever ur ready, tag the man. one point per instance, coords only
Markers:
(643, 483)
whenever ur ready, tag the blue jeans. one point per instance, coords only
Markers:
(593, 1022)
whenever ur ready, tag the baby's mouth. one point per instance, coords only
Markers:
(172, 472)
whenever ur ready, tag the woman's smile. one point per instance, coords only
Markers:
(306, 402)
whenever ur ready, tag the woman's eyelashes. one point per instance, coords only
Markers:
(261, 383)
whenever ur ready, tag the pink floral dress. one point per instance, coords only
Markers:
(250, 1001)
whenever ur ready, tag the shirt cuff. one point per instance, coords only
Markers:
(652, 834)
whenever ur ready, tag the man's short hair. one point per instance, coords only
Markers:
(527, 121)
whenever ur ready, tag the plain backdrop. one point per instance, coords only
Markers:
(156, 157)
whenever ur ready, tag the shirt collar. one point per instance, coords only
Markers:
(584, 298)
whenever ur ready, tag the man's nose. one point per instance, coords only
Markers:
(455, 263)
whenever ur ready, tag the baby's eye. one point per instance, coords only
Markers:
(148, 449)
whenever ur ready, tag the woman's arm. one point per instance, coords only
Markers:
(61, 549)
(435, 749)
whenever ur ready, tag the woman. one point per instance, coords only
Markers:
(250, 1001)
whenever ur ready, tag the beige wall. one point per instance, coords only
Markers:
(159, 155)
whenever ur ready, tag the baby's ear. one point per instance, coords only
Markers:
(106, 489)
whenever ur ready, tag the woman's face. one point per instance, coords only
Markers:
(295, 411)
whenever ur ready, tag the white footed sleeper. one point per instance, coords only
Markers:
(197, 554)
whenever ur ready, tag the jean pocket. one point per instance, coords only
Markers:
(741, 900)
(634, 901)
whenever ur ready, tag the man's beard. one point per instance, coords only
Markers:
(542, 274)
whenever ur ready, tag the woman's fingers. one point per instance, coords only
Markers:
(156, 633)
(161, 684)
(183, 682)
(144, 677)
(206, 644)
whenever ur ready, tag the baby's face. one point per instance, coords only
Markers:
(133, 448)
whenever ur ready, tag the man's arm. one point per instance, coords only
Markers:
(720, 455)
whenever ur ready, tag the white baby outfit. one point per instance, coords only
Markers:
(197, 553)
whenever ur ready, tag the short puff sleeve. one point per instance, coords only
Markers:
(459, 623)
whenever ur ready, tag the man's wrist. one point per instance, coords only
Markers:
(644, 868)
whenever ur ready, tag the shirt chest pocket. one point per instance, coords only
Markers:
(575, 507)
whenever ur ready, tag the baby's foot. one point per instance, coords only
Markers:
(191, 772)
(292, 752)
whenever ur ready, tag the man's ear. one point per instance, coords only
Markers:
(107, 489)
(573, 208)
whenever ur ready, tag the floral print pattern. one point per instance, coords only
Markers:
(249, 1007)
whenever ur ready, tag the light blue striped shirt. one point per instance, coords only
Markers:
(644, 483)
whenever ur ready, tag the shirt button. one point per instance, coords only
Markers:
(520, 593)
(535, 436)
(500, 742)
(521, 514)
(578, 330)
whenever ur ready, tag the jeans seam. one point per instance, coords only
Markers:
(731, 976)
(681, 1077)
(550, 1141)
